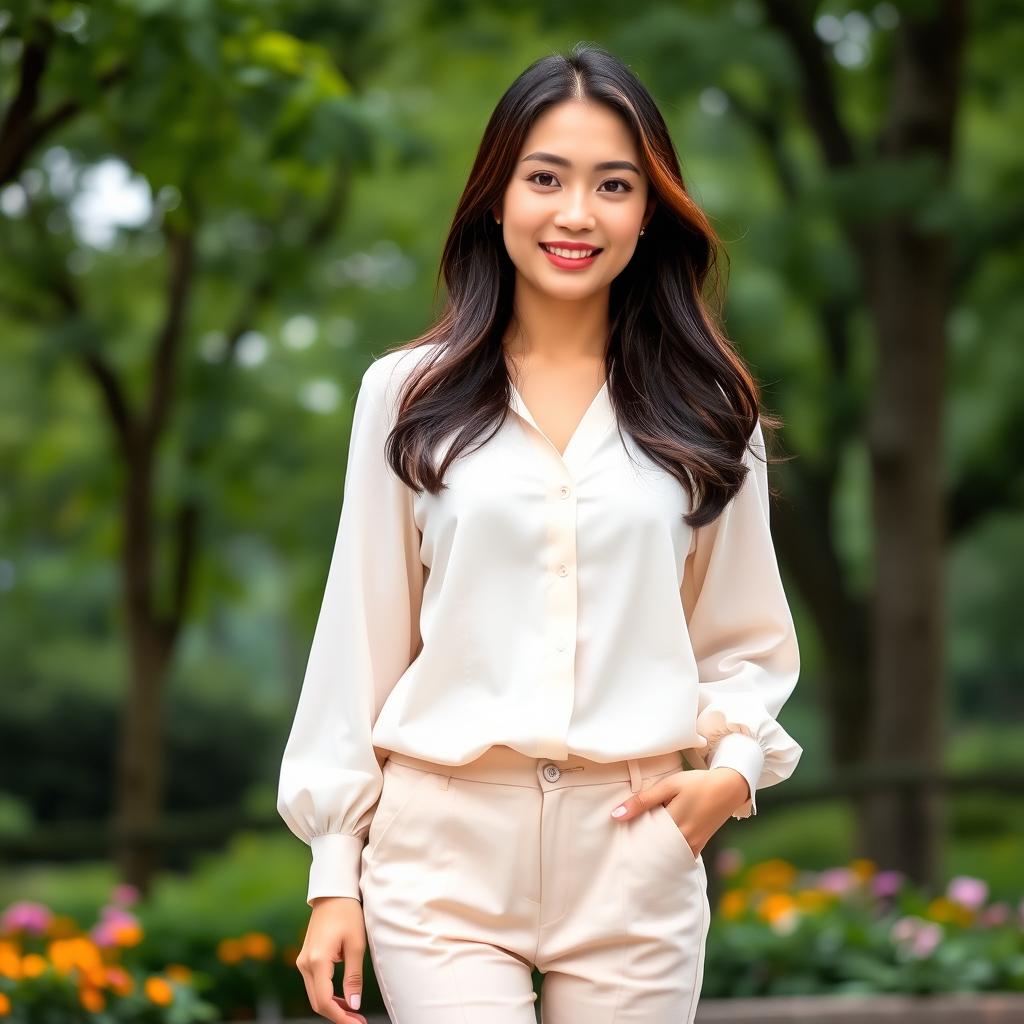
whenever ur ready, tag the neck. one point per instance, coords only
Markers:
(557, 331)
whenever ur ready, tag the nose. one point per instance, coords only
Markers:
(575, 212)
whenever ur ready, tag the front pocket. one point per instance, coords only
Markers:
(401, 784)
(664, 816)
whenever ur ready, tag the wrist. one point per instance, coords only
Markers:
(732, 782)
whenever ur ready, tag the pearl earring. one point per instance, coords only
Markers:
(641, 231)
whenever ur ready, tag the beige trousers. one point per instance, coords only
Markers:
(474, 874)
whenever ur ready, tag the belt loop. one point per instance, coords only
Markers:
(634, 775)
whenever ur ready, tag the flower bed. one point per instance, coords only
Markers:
(777, 931)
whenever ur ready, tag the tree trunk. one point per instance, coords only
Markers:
(909, 284)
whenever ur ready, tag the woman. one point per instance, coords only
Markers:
(553, 576)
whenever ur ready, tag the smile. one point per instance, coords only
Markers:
(572, 259)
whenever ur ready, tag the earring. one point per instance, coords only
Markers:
(497, 220)
(641, 231)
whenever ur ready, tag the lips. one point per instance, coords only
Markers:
(573, 247)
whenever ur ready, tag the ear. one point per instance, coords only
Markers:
(652, 205)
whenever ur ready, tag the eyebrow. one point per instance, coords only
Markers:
(607, 165)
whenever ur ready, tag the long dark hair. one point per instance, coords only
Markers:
(675, 381)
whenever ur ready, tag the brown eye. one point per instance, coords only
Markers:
(539, 174)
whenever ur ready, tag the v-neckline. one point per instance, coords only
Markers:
(596, 414)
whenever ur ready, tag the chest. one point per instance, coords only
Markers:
(558, 401)
(516, 502)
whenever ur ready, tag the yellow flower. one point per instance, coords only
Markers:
(229, 951)
(5, 1004)
(947, 911)
(732, 904)
(158, 990)
(62, 927)
(92, 999)
(814, 900)
(178, 972)
(771, 874)
(863, 868)
(257, 945)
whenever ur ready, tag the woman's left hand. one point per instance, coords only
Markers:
(700, 802)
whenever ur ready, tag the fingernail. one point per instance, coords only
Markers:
(619, 811)
(354, 1001)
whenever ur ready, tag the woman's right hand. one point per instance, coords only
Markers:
(336, 933)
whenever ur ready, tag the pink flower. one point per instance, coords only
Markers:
(27, 917)
(115, 915)
(905, 929)
(728, 861)
(887, 883)
(996, 914)
(968, 892)
(928, 936)
(838, 880)
(104, 933)
(918, 936)
(125, 895)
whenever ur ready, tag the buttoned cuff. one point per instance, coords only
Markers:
(336, 867)
(744, 754)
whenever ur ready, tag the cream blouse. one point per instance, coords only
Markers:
(557, 604)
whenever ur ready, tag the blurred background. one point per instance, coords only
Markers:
(214, 214)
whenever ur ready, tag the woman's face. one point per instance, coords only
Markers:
(559, 193)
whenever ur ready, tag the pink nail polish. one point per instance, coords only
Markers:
(619, 811)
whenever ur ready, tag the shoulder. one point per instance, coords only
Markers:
(383, 379)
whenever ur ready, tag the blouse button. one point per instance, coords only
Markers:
(563, 491)
(563, 570)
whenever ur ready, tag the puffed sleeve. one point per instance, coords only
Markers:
(366, 635)
(743, 637)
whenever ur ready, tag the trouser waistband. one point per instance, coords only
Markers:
(509, 767)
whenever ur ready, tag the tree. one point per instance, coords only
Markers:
(231, 121)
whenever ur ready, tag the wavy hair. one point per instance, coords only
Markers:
(676, 383)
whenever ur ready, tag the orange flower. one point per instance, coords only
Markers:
(229, 951)
(127, 934)
(120, 981)
(158, 990)
(775, 906)
(257, 945)
(5, 1004)
(10, 960)
(67, 954)
(94, 975)
(92, 999)
(178, 972)
(32, 965)
(732, 904)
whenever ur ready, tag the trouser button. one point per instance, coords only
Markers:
(552, 772)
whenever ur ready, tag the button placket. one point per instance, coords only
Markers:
(562, 608)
